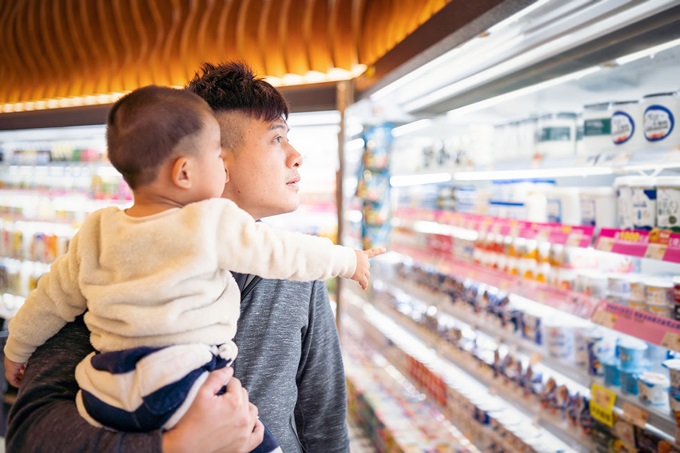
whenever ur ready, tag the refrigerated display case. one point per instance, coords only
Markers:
(533, 257)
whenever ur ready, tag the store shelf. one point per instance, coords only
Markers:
(483, 323)
(383, 402)
(574, 303)
(555, 233)
(434, 371)
(659, 419)
(662, 245)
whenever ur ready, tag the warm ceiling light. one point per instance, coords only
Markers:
(293, 79)
(358, 69)
(315, 77)
(339, 74)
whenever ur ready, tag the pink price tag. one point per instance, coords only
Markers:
(626, 242)
(673, 251)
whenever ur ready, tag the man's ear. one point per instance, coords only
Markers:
(181, 173)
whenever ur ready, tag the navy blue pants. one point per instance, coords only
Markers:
(153, 387)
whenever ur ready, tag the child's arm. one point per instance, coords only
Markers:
(56, 301)
(250, 247)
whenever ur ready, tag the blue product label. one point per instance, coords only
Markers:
(658, 123)
(623, 127)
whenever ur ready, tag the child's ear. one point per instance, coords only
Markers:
(180, 173)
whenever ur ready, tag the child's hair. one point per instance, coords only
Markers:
(145, 126)
(233, 86)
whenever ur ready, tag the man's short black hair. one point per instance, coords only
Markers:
(233, 86)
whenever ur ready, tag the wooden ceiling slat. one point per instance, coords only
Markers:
(204, 41)
(14, 82)
(171, 44)
(367, 49)
(189, 54)
(295, 47)
(158, 68)
(50, 54)
(139, 15)
(90, 44)
(69, 48)
(81, 62)
(226, 32)
(6, 77)
(344, 56)
(271, 48)
(111, 79)
(65, 50)
(25, 54)
(316, 35)
(123, 27)
(247, 30)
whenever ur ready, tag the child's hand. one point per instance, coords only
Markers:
(363, 270)
(14, 372)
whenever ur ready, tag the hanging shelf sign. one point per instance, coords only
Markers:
(658, 330)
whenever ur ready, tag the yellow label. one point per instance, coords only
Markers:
(602, 404)
(629, 236)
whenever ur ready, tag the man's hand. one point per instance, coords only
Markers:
(363, 270)
(226, 423)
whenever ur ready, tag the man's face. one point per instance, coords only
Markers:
(263, 170)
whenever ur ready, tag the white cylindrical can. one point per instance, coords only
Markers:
(660, 113)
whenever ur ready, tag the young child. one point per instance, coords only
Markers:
(153, 280)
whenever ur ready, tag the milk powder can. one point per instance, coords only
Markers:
(660, 114)
(596, 128)
(626, 124)
(668, 203)
(643, 201)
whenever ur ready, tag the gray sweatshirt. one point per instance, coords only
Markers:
(289, 360)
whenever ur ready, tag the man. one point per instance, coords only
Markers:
(289, 356)
(289, 353)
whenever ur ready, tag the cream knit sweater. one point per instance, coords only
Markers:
(164, 279)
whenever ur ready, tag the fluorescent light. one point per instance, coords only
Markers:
(414, 180)
(647, 52)
(357, 143)
(530, 173)
(516, 17)
(656, 167)
(422, 226)
(452, 114)
(410, 127)
(329, 117)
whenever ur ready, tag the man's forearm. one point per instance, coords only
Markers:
(45, 418)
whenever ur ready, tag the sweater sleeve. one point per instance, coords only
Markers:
(44, 417)
(251, 247)
(56, 301)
